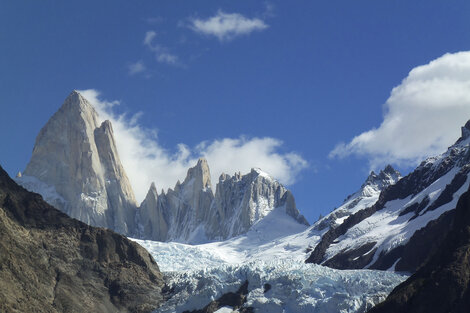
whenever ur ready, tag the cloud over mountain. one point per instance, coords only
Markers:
(421, 117)
(145, 160)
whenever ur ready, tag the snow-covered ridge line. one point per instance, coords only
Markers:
(377, 236)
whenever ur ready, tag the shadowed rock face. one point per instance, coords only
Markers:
(442, 283)
(50, 262)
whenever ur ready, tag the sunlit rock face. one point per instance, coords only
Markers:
(75, 166)
(76, 158)
(192, 213)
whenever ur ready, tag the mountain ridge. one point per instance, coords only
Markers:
(75, 165)
(414, 201)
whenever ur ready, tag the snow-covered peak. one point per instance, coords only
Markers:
(375, 183)
(258, 172)
(365, 197)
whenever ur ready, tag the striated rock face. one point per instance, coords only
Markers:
(179, 215)
(191, 213)
(75, 165)
(153, 217)
(50, 262)
(241, 201)
(189, 204)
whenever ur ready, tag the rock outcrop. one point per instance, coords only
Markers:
(191, 213)
(242, 201)
(50, 262)
(76, 167)
(179, 214)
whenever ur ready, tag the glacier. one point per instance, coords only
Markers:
(197, 275)
(272, 253)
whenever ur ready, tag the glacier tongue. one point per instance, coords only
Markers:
(293, 287)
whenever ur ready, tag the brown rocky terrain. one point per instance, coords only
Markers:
(50, 262)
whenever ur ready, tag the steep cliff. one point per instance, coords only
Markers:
(76, 167)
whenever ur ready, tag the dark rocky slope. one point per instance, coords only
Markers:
(442, 283)
(50, 262)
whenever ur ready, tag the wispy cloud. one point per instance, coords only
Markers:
(168, 58)
(137, 67)
(226, 26)
(145, 160)
(162, 54)
(149, 37)
(422, 116)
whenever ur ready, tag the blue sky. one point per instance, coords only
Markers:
(277, 82)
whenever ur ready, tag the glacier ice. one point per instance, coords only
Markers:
(199, 274)
(295, 287)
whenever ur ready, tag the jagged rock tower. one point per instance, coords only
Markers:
(77, 156)
(75, 166)
(191, 213)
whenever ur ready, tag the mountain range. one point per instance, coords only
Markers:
(391, 223)
(75, 165)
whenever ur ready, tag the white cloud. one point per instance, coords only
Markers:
(168, 58)
(149, 37)
(230, 155)
(162, 54)
(422, 116)
(145, 160)
(226, 26)
(137, 67)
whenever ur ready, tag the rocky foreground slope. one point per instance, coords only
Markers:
(50, 262)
